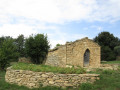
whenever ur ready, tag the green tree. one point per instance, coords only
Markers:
(20, 43)
(117, 50)
(107, 42)
(107, 39)
(58, 45)
(107, 54)
(37, 48)
(7, 52)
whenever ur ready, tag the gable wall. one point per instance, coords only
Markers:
(76, 50)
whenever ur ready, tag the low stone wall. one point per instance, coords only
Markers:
(35, 79)
(104, 67)
(109, 66)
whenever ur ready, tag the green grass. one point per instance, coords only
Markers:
(7, 86)
(109, 80)
(45, 68)
(111, 62)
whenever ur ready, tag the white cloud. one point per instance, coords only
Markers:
(54, 42)
(98, 28)
(33, 16)
(15, 30)
(60, 11)
(61, 37)
(78, 36)
(106, 10)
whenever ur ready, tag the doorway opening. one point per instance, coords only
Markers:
(86, 58)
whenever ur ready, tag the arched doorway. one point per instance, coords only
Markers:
(86, 58)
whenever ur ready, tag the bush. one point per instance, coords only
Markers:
(7, 52)
(118, 58)
(117, 52)
(37, 48)
(107, 54)
(57, 45)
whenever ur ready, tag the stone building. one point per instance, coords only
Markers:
(83, 52)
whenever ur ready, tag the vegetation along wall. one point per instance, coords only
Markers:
(84, 53)
(35, 79)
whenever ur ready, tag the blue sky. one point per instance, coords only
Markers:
(61, 20)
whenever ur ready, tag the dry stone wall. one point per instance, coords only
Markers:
(35, 79)
(57, 57)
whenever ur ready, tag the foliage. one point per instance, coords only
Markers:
(117, 50)
(107, 42)
(118, 58)
(37, 48)
(20, 43)
(58, 45)
(107, 53)
(2, 40)
(7, 52)
(107, 39)
(45, 68)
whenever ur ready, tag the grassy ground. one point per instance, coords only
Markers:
(111, 62)
(45, 68)
(6, 86)
(109, 80)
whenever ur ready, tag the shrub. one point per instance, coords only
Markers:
(117, 50)
(37, 48)
(57, 45)
(118, 58)
(107, 54)
(7, 52)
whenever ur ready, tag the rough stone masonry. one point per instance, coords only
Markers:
(35, 79)
(84, 53)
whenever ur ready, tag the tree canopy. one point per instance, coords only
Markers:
(7, 51)
(107, 41)
(20, 44)
(37, 48)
